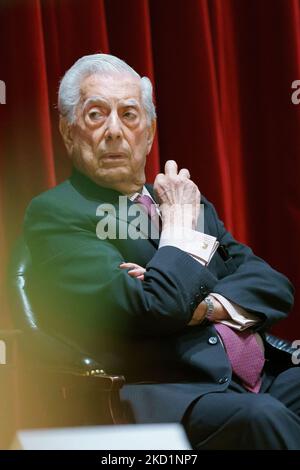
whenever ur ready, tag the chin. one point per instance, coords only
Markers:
(112, 176)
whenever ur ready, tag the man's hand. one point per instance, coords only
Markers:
(135, 270)
(178, 196)
(220, 313)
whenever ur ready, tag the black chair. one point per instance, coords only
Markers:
(57, 384)
(54, 382)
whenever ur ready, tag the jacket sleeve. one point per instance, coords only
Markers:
(76, 279)
(252, 283)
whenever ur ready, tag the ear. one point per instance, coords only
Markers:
(66, 132)
(151, 134)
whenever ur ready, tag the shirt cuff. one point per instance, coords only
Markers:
(240, 318)
(199, 245)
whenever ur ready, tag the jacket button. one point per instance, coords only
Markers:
(223, 380)
(213, 340)
(203, 290)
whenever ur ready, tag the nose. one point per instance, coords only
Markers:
(113, 128)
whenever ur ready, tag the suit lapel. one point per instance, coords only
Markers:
(90, 190)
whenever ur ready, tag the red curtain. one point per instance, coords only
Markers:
(222, 71)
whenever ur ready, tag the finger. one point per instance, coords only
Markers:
(159, 180)
(171, 168)
(137, 271)
(132, 274)
(140, 277)
(185, 173)
(136, 274)
(129, 265)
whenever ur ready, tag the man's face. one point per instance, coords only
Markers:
(110, 138)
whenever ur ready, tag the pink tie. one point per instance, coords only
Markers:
(245, 355)
(149, 205)
(147, 202)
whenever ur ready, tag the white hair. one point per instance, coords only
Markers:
(69, 88)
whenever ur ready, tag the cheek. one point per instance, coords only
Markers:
(139, 140)
(86, 138)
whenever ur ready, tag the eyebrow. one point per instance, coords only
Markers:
(131, 102)
(94, 100)
(100, 99)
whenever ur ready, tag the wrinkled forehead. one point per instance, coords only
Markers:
(112, 87)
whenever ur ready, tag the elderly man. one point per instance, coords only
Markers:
(180, 313)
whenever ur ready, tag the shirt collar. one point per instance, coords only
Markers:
(144, 192)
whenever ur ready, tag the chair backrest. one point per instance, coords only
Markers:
(22, 311)
(43, 347)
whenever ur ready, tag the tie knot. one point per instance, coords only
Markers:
(147, 202)
(149, 205)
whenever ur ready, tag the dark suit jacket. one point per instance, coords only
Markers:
(139, 328)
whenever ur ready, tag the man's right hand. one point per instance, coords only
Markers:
(178, 196)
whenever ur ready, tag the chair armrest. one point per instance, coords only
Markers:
(94, 377)
(281, 344)
(279, 353)
(52, 396)
(37, 351)
(50, 350)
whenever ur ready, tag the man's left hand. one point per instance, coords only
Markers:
(219, 313)
(135, 270)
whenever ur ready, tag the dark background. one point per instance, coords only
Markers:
(222, 70)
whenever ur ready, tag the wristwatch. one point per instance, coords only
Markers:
(210, 308)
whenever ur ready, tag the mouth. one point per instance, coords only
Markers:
(111, 157)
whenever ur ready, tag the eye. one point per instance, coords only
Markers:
(129, 115)
(94, 115)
